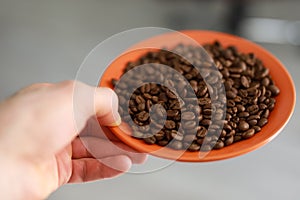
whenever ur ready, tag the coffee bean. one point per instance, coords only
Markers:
(256, 128)
(265, 81)
(188, 125)
(229, 140)
(141, 107)
(205, 122)
(175, 105)
(249, 133)
(192, 147)
(266, 113)
(230, 103)
(188, 116)
(252, 122)
(262, 122)
(245, 82)
(162, 142)
(147, 96)
(204, 101)
(137, 134)
(257, 117)
(243, 114)
(237, 138)
(142, 116)
(172, 113)
(149, 139)
(230, 94)
(201, 132)
(206, 148)
(159, 135)
(253, 109)
(274, 89)
(240, 108)
(176, 135)
(207, 111)
(189, 138)
(176, 144)
(243, 126)
(200, 141)
(171, 95)
(219, 144)
(169, 124)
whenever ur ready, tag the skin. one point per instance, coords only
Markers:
(40, 147)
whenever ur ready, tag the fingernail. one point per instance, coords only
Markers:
(117, 122)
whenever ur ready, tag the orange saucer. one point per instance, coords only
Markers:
(285, 101)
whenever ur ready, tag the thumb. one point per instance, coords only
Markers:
(95, 101)
(106, 107)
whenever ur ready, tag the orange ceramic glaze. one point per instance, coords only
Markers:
(279, 117)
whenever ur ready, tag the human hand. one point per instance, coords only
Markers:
(39, 145)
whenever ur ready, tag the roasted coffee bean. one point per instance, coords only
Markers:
(137, 134)
(205, 122)
(252, 122)
(237, 138)
(256, 128)
(253, 109)
(249, 133)
(265, 81)
(176, 144)
(162, 142)
(189, 138)
(219, 144)
(171, 95)
(253, 117)
(266, 113)
(243, 126)
(249, 97)
(200, 141)
(207, 111)
(240, 108)
(188, 125)
(206, 147)
(147, 96)
(201, 132)
(262, 122)
(172, 113)
(170, 124)
(243, 93)
(230, 133)
(188, 116)
(230, 103)
(229, 140)
(159, 135)
(141, 107)
(149, 139)
(176, 135)
(245, 82)
(142, 116)
(194, 147)
(230, 94)
(243, 114)
(139, 99)
(204, 101)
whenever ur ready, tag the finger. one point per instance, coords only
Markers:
(91, 147)
(90, 169)
(90, 101)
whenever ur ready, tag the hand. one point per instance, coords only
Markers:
(39, 145)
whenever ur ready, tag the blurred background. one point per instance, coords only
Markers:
(46, 41)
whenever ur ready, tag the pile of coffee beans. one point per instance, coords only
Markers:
(248, 99)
